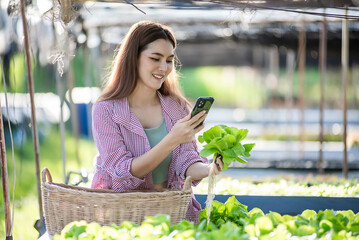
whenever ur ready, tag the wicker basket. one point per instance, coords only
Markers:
(64, 204)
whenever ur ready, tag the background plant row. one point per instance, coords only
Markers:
(282, 187)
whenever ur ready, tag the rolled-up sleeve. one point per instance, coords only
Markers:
(188, 156)
(115, 159)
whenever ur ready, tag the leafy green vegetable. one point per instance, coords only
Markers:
(229, 220)
(231, 210)
(225, 141)
(263, 226)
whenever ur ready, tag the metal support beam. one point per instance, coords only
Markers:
(301, 78)
(345, 66)
(322, 69)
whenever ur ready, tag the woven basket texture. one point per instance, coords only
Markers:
(64, 204)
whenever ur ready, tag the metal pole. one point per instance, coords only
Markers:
(59, 87)
(33, 115)
(290, 65)
(355, 76)
(74, 113)
(87, 67)
(345, 63)
(61, 124)
(322, 69)
(301, 77)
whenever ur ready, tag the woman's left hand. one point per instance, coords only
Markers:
(200, 170)
(217, 165)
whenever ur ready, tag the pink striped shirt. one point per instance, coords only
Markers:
(120, 137)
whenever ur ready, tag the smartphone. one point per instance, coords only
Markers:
(202, 103)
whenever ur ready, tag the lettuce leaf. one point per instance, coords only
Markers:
(226, 141)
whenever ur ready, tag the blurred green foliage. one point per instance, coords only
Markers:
(230, 86)
(44, 76)
(253, 88)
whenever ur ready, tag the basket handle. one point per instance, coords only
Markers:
(46, 172)
(187, 184)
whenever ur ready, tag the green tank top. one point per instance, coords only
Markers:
(155, 135)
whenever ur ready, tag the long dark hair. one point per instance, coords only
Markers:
(124, 72)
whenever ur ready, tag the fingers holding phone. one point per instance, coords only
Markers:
(186, 128)
(197, 121)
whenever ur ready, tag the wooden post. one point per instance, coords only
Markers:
(301, 78)
(345, 63)
(322, 69)
(4, 178)
(32, 102)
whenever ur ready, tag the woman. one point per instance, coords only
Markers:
(141, 123)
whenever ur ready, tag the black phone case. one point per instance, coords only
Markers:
(202, 103)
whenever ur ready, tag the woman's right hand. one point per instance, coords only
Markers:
(186, 128)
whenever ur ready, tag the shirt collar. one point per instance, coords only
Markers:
(171, 107)
(123, 115)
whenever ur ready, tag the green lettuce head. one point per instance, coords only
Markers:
(225, 141)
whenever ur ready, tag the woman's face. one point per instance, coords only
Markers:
(155, 63)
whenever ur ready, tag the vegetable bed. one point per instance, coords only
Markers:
(286, 195)
(229, 220)
(291, 205)
(319, 186)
